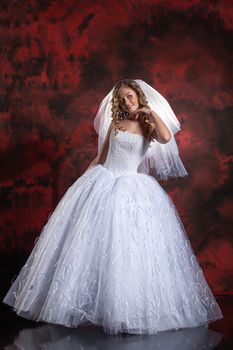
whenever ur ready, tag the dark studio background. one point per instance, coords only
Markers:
(60, 58)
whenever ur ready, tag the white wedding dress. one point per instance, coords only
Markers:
(114, 253)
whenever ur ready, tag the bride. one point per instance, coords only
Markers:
(130, 106)
(114, 252)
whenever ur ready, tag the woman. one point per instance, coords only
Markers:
(114, 252)
(140, 118)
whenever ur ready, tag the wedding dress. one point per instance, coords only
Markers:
(115, 253)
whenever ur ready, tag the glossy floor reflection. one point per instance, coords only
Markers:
(54, 337)
(18, 333)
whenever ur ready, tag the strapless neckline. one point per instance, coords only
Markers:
(133, 133)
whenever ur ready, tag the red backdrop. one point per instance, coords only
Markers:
(60, 58)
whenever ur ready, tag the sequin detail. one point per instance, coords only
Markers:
(126, 150)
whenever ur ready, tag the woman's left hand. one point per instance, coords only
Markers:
(142, 112)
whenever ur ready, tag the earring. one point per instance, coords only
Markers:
(124, 115)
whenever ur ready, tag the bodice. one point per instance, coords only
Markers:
(126, 151)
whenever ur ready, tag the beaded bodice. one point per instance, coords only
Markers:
(126, 151)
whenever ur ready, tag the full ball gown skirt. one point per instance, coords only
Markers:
(115, 253)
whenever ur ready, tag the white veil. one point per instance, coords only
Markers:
(161, 160)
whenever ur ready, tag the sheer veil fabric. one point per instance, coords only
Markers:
(161, 160)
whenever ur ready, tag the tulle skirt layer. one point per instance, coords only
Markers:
(114, 253)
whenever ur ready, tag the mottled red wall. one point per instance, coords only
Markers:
(60, 58)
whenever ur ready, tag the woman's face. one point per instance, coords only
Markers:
(128, 99)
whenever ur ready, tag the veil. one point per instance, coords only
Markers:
(160, 160)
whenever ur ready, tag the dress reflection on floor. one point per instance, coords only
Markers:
(55, 337)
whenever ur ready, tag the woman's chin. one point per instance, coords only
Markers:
(132, 110)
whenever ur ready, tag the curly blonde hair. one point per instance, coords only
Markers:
(117, 110)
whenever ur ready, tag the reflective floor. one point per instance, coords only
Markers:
(18, 333)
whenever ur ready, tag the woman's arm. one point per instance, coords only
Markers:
(104, 151)
(94, 161)
(160, 131)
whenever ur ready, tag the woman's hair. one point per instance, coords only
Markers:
(117, 110)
